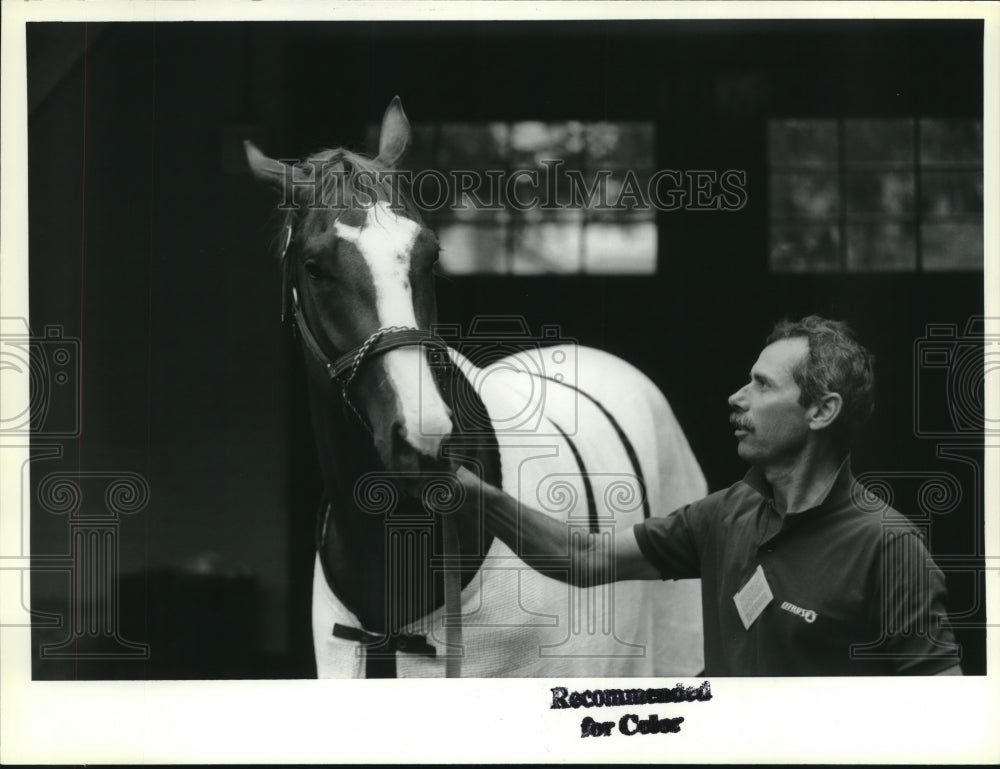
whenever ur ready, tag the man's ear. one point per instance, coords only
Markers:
(824, 411)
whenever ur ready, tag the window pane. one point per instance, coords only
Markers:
(532, 141)
(808, 195)
(471, 145)
(880, 246)
(566, 187)
(620, 248)
(951, 193)
(802, 142)
(468, 249)
(531, 138)
(467, 210)
(952, 246)
(619, 145)
(880, 192)
(878, 158)
(546, 248)
(944, 141)
(805, 247)
(626, 197)
(878, 141)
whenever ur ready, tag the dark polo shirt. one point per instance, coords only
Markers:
(855, 590)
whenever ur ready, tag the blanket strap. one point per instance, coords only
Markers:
(452, 617)
(380, 651)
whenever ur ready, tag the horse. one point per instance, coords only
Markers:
(403, 586)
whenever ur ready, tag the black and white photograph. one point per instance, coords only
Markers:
(617, 370)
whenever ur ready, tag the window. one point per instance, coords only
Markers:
(536, 198)
(875, 195)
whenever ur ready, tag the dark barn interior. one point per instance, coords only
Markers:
(151, 245)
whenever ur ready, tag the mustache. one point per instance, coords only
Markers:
(740, 423)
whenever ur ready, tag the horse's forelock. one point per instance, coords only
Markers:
(360, 177)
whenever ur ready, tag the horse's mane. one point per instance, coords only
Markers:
(349, 179)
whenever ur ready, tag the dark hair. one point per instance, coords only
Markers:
(836, 363)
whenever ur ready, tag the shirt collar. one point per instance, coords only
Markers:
(837, 493)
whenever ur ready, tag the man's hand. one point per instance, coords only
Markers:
(434, 484)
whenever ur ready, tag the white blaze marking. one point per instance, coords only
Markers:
(385, 242)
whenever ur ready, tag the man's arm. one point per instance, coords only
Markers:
(551, 547)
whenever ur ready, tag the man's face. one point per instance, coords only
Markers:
(771, 426)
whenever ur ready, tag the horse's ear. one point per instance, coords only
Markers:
(395, 133)
(265, 169)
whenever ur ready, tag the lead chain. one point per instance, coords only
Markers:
(356, 366)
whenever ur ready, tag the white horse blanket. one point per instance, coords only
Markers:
(516, 622)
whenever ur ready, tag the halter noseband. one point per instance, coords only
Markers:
(345, 368)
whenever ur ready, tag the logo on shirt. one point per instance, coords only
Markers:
(807, 614)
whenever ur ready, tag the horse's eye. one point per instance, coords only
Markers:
(313, 270)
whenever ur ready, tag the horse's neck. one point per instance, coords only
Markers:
(344, 448)
(355, 545)
(473, 437)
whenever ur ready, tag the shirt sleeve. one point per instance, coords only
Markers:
(914, 605)
(670, 543)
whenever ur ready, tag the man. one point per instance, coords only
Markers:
(803, 571)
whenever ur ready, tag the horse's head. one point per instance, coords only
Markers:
(358, 260)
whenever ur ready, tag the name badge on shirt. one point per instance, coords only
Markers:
(753, 597)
